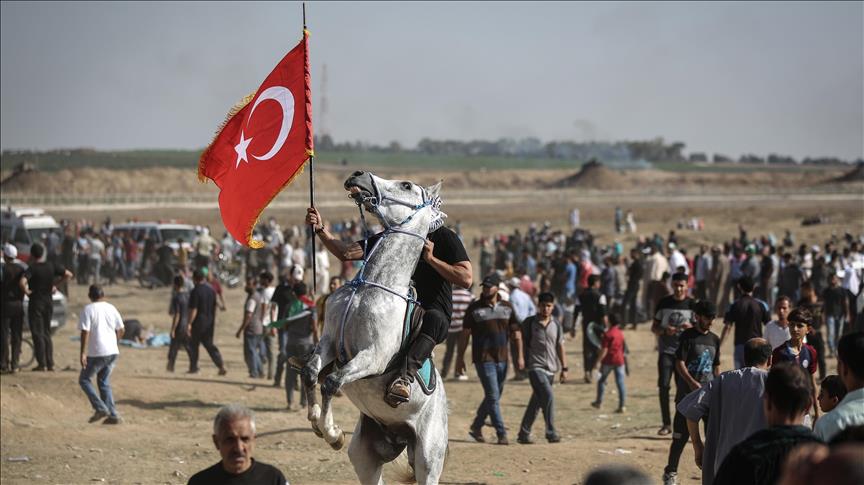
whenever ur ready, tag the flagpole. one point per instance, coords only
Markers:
(312, 190)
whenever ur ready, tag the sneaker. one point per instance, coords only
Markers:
(554, 439)
(670, 478)
(502, 440)
(113, 420)
(595, 404)
(399, 392)
(97, 416)
(463, 377)
(664, 430)
(223, 371)
(621, 410)
(193, 371)
(476, 435)
(524, 440)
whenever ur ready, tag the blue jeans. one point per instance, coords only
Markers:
(738, 356)
(252, 353)
(541, 398)
(605, 370)
(492, 376)
(101, 367)
(835, 329)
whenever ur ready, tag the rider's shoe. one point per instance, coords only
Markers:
(399, 392)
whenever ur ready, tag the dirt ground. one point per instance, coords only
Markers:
(166, 436)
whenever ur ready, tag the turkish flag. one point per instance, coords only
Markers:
(263, 145)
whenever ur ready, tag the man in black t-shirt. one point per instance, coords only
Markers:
(443, 263)
(234, 437)
(12, 314)
(39, 283)
(202, 323)
(748, 315)
(673, 315)
(594, 311)
(697, 362)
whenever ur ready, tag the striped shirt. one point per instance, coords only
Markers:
(491, 326)
(461, 299)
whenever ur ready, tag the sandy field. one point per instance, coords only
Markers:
(168, 417)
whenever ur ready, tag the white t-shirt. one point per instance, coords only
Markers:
(266, 297)
(775, 334)
(103, 321)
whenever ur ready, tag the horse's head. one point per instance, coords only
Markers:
(397, 202)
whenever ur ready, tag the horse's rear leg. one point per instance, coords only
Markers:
(367, 464)
(430, 446)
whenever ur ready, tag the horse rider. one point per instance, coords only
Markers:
(444, 262)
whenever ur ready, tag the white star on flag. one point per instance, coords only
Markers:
(240, 148)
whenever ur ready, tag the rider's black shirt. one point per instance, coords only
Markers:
(433, 291)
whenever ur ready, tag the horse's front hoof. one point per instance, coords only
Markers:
(330, 386)
(339, 443)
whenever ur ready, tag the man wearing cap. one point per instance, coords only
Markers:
(491, 323)
(697, 362)
(12, 316)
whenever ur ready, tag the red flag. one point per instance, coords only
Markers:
(263, 145)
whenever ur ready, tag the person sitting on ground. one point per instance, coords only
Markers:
(234, 437)
(831, 392)
(758, 459)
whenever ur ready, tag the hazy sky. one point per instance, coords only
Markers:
(722, 77)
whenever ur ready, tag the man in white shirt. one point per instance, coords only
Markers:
(101, 326)
(777, 331)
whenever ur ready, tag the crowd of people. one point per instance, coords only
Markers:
(785, 306)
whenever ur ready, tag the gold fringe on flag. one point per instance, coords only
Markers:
(231, 113)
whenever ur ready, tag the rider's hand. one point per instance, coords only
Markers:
(697, 454)
(428, 247)
(313, 218)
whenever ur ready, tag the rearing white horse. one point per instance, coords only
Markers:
(363, 331)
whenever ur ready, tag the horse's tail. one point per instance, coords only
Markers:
(402, 471)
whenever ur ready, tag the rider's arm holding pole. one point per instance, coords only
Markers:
(342, 250)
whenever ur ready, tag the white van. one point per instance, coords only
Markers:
(24, 226)
(160, 232)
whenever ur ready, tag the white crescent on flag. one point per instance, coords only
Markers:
(283, 96)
